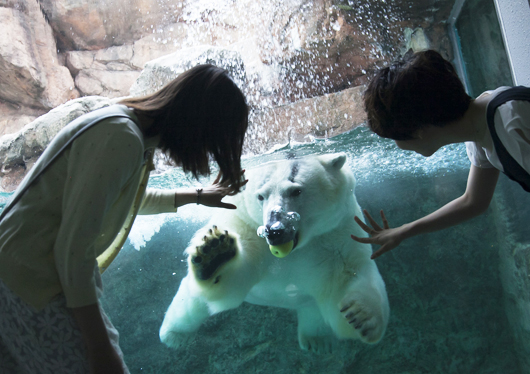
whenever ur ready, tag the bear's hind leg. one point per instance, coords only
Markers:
(366, 315)
(313, 332)
(183, 317)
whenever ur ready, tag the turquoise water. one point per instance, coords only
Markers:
(447, 290)
(4, 197)
(372, 158)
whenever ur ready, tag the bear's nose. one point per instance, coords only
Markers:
(281, 226)
(277, 214)
(275, 232)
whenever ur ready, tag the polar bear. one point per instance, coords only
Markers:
(304, 260)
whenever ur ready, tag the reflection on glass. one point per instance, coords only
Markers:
(482, 47)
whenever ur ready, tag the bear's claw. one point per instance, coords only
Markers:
(362, 318)
(218, 248)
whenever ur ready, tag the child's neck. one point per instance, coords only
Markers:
(480, 123)
(473, 126)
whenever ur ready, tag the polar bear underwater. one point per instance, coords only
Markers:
(304, 260)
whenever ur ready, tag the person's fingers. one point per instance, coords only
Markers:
(380, 251)
(231, 191)
(362, 240)
(217, 179)
(227, 205)
(374, 224)
(366, 228)
(385, 221)
(365, 212)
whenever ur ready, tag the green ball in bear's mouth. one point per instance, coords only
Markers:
(282, 250)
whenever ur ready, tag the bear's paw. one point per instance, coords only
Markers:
(176, 339)
(318, 344)
(218, 247)
(366, 319)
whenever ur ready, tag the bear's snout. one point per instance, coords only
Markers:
(277, 233)
(281, 226)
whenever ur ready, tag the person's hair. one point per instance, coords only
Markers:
(200, 114)
(419, 90)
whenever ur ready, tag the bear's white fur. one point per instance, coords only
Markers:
(328, 278)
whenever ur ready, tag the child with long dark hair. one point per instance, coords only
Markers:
(75, 207)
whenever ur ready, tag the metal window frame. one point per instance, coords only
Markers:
(514, 22)
(458, 61)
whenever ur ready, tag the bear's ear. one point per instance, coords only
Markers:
(335, 160)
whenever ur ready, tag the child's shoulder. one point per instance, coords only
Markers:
(493, 92)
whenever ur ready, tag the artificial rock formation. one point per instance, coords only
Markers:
(32, 79)
(292, 49)
(269, 128)
(318, 117)
(19, 151)
(301, 63)
(107, 72)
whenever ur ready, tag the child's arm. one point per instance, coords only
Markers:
(479, 192)
(102, 356)
(165, 201)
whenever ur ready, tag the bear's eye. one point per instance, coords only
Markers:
(296, 192)
(260, 198)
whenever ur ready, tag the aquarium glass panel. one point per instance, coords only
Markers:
(448, 309)
(482, 47)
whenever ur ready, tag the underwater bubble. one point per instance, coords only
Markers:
(293, 216)
(262, 232)
(291, 290)
(277, 226)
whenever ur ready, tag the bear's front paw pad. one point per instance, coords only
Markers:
(362, 318)
(217, 248)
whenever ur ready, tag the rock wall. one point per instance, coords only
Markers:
(19, 151)
(301, 63)
(318, 117)
(32, 78)
(108, 72)
(270, 127)
(56, 50)
(99, 24)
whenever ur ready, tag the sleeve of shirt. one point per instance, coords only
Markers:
(477, 156)
(102, 161)
(514, 116)
(156, 201)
